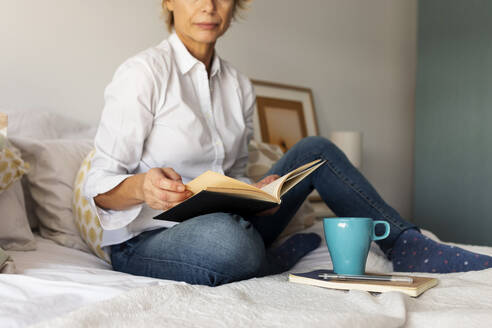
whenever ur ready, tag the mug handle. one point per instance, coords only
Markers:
(386, 233)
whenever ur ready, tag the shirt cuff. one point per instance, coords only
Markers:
(112, 219)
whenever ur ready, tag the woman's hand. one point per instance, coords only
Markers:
(163, 188)
(260, 184)
(266, 180)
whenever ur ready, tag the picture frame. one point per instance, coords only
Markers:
(284, 114)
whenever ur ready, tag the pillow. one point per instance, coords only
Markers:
(86, 220)
(261, 158)
(41, 125)
(15, 233)
(54, 164)
(38, 124)
(6, 263)
(12, 167)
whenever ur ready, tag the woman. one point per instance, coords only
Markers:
(178, 109)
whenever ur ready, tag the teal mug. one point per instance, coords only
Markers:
(349, 240)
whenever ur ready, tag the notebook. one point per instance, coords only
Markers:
(414, 289)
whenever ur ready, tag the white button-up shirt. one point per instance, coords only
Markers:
(162, 110)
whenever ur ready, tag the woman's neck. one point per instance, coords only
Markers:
(201, 51)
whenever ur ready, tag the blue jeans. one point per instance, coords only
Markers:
(219, 248)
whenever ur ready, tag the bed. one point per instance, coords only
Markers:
(61, 286)
(58, 286)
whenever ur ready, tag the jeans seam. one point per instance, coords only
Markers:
(185, 264)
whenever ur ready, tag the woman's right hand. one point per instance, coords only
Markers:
(163, 188)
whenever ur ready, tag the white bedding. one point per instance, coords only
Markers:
(55, 280)
(66, 284)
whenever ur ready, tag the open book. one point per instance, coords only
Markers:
(214, 192)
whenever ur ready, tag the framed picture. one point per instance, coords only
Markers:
(284, 114)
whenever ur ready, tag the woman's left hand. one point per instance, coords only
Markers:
(260, 184)
(266, 180)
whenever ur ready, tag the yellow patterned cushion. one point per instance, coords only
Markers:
(12, 167)
(85, 219)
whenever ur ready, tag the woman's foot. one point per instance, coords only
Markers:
(285, 256)
(414, 252)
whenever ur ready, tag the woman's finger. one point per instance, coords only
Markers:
(170, 173)
(172, 197)
(171, 185)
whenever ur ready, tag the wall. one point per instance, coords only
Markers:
(358, 56)
(59, 55)
(453, 180)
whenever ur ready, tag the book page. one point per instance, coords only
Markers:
(273, 188)
(273, 191)
(296, 178)
(277, 188)
(219, 182)
(254, 194)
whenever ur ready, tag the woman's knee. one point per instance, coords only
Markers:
(210, 250)
(230, 245)
(316, 142)
(317, 145)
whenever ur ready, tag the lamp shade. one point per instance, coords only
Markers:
(350, 142)
(3, 130)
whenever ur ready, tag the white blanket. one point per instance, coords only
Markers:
(55, 280)
(460, 300)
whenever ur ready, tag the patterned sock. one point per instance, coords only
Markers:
(414, 252)
(285, 256)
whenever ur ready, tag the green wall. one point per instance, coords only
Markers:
(453, 149)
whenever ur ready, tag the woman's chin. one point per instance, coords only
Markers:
(206, 36)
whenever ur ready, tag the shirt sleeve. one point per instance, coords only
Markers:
(238, 170)
(125, 123)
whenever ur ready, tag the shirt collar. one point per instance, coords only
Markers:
(185, 59)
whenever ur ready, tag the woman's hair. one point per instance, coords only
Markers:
(238, 4)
